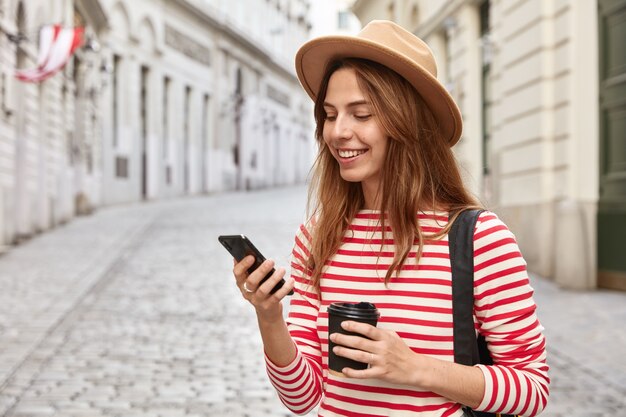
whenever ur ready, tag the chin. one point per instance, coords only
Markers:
(351, 177)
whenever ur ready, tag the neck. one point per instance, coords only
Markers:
(371, 195)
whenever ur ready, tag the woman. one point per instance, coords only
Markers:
(384, 185)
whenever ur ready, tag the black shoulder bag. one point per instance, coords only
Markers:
(468, 349)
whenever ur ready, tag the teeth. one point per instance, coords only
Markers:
(351, 153)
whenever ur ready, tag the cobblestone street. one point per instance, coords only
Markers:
(133, 312)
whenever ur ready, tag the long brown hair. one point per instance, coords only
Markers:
(419, 172)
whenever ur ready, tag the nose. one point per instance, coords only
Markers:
(340, 128)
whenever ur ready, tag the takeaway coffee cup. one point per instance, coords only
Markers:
(339, 312)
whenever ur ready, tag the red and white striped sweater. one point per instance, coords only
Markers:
(418, 306)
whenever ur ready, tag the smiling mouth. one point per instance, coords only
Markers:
(350, 153)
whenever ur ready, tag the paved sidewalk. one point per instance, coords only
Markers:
(586, 336)
(46, 277)
(132, 312)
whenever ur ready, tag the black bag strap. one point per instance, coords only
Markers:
(461, 246)
(468, 349)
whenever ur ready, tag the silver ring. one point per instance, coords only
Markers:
(245, 287)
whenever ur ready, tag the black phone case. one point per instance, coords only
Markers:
(239, 246)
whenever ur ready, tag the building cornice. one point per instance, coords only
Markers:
(357, 6)
(204, 13)
(436, 22)
(96, 13)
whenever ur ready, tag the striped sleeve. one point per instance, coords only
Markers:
(299, 384)
(518, 381)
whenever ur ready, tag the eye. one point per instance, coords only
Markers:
(330, 117)
(362, 117)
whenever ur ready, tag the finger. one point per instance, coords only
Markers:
(246, 290)
(367, 330)
(240, 268)
(271, 282)
(285, 289)
(258, 274)
(354, 354)
(355, 342)
(361, 373)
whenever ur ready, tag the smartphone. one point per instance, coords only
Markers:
(239, 247)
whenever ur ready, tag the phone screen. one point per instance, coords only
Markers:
(239, 246)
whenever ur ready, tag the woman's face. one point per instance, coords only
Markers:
(352, 132)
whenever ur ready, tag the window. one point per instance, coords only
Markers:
(391, 11)
(486, 96)
(166, 116)
(415, 17)
(89, 146)
(447, 70)
(239, 82)
(121, 167)
(342, 19)
(69, 146)
(21, 55)
(168, 175)
(205, 140)
(4, 94)
(186, 138)
(144, 124)
(145, 77)
(77, 76)
(89, 158)
(225, 63)
(115, 99)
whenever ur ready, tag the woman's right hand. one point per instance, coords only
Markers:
(268, 306)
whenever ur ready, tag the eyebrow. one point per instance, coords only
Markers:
(351, 104)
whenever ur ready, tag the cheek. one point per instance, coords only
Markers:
(325, 146)
(325, 137)
(325, 143)
(379, 146)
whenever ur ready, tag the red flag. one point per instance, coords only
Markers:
(56, 46)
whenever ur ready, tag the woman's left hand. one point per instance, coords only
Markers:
(390, 359)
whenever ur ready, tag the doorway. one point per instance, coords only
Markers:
(612, 203)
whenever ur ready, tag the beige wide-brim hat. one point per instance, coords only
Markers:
(394, 47)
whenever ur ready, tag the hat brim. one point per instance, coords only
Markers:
(313, 57)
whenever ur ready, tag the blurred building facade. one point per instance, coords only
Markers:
(165, 98)
(333, 17)
(542, 88)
